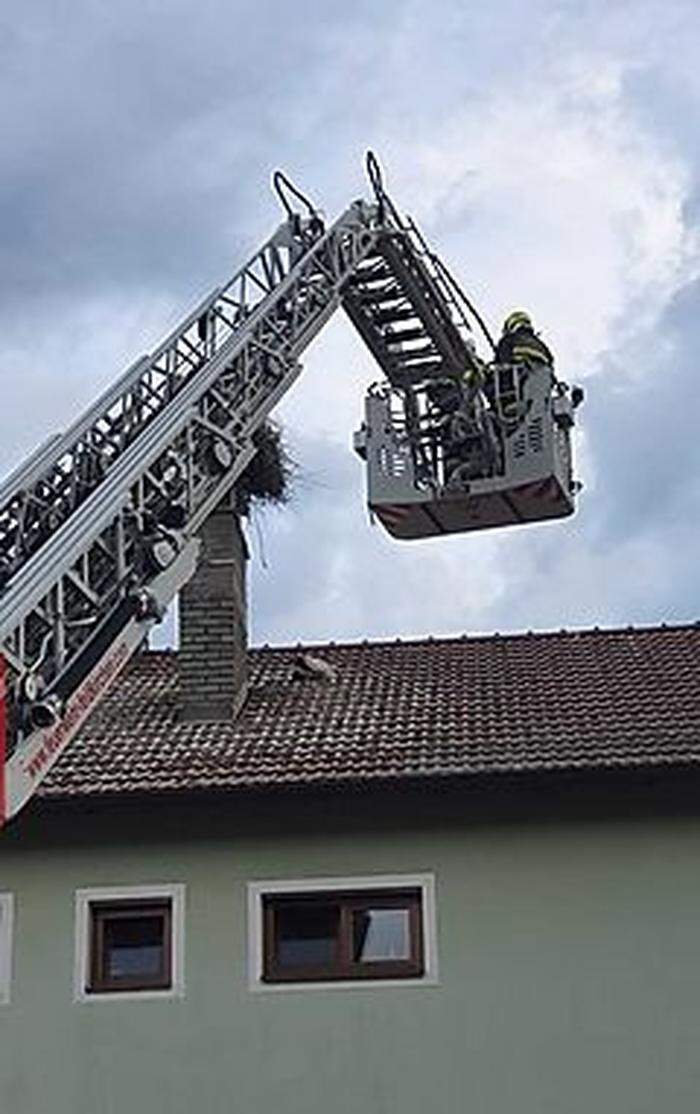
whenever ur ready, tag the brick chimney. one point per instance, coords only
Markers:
(213, 624)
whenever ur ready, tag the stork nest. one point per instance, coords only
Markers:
(268, 478)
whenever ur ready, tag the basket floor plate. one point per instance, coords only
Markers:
(454, 513)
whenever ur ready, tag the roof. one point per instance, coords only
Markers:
(580, 700)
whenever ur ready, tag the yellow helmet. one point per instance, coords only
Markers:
(518, 319)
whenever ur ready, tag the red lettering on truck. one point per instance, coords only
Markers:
(81, 702)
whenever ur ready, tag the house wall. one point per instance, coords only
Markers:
(569, 968)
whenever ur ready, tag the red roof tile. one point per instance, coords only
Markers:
(533, 702)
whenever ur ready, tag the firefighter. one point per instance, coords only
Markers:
(520, 344)
(462, 422)
(519, 353)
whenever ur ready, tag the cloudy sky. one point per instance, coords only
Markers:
(550, 151)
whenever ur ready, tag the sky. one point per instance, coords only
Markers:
(549, 151)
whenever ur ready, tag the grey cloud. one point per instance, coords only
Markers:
(633, 551)
(137, 136)
(137, 145)
(643, 422)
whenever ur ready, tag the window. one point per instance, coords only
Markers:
(130, 946)
(342, 936)
(129, 942)
(335, 931)
(6, 914)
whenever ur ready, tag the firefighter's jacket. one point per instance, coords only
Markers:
(523, 346)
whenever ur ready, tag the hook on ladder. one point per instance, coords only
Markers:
(283, 186)
(376, 179)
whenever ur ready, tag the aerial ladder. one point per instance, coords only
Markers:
(98, 528)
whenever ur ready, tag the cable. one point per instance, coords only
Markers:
(469, 304)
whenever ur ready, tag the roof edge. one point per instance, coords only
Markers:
(455, 639)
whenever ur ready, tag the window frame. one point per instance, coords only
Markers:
(102, 912)
(351, 893)
(7, 912)
(92, 907)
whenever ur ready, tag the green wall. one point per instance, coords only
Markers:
(569, 956)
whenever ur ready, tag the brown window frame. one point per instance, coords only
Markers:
(100, 912)
(344, 967)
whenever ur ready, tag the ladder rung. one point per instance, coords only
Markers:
(389, 317)
(413, 356)
(374, 274)
(407, 334)
(381, 297)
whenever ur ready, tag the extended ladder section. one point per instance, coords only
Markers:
(407, 314)
(98, 529)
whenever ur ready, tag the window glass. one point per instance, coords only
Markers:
(381, 934)
(354, 935)
(134, 946)
(130, 946)
(307, 935)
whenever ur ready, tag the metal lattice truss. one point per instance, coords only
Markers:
(102, 510)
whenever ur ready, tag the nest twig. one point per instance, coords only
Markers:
(268, 478)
